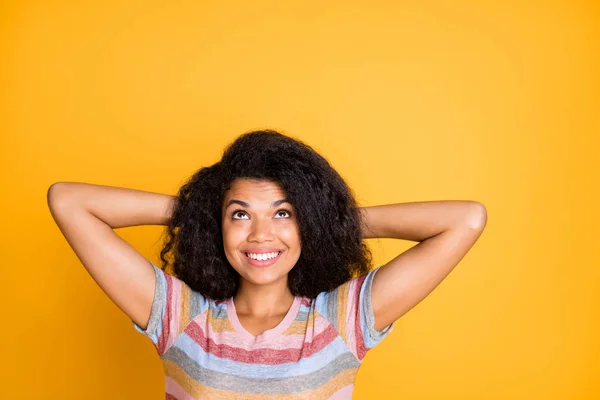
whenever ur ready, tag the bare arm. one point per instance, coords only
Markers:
(86, 214)
(446, 231)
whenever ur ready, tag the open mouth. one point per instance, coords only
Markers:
(263, 256)
(264, 259)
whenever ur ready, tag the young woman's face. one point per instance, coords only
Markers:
(260, 231)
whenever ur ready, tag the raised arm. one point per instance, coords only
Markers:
(446, 231)
(86, 214)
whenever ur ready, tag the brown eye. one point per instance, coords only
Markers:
(238, 212)
(284, 211)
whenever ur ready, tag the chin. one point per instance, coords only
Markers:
(257, 278)
(264, 274)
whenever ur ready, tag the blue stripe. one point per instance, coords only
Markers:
(305, 365)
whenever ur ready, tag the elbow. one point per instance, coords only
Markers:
(53, 192)
(477, 216)
(56, 195)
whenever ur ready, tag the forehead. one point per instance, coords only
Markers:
(249, 188)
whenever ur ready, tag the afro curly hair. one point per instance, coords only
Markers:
(328, 217)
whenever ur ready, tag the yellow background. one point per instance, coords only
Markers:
(492, 101)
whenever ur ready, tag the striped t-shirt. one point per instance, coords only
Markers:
(314, 352)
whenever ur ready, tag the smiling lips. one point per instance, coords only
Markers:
(263, 257)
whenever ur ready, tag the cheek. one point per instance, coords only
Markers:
(290, 235)
(232, 237)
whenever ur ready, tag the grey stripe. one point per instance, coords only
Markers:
(158, 303)
(376, 335)
(195, 304)
(302, 316)
(224, 381)
(218, 311)
(332, 308)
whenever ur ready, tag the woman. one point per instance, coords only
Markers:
(272, 294)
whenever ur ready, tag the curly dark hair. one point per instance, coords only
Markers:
(328, 217)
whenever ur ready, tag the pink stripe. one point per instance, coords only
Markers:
(261, 356)
(344, 393)
(173, 389)
(164, 334)
(175, 312)
(350, 316)
(305, 301)
(278, 343)
(361, 350)
(170, 321)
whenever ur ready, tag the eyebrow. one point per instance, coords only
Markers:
(244, 204)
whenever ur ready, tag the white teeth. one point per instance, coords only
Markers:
(262, 256)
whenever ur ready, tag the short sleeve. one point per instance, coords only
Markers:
(349, 309)
(174, 306)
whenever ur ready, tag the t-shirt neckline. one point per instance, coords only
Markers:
(270, 333)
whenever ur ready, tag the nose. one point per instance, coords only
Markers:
(261, 230)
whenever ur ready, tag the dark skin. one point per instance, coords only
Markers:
(263, 297)
(445, 230)
(87, 214)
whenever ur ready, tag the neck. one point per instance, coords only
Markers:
(263, 301)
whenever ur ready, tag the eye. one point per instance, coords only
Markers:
(289, 213)
(236, 212)
(242, 213)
